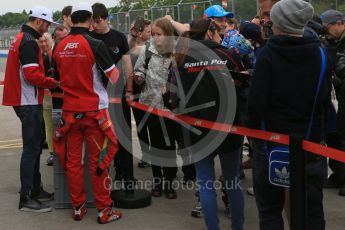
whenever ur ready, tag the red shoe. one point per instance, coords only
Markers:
(79, 213)
(107, 215)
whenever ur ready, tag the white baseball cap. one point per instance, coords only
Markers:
(42, 12)
(81, 6)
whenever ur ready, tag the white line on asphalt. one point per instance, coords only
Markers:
(14, 140)
(11, 147)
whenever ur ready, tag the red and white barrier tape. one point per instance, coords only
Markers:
(258, 134)
(253, 133)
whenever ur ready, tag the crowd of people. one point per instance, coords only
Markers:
(283, 71)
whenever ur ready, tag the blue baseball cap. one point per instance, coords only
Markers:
(218, 12)
(331, 16)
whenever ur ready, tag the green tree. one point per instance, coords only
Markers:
(12, 19)
(322, 5)
(57, 15)
(245, 9)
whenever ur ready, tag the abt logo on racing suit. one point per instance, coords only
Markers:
(73, 45)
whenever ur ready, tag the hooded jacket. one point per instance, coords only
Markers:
(284, 86)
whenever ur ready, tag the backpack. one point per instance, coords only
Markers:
(148, 55)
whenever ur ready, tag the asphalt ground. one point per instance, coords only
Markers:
(161, 214)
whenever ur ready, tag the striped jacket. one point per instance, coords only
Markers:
(24, 76)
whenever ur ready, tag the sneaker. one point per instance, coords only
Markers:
(250, 191)
(50, 160)
(142, 164)
(42, 195)
(29, 204)
(197, 210)
(79, 212)
(107, 215)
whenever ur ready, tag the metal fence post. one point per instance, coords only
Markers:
(191, 12)
(336, 4)
(152, 15)
(178, 11)
(233, 7)
(298, 201)
(117, 21)
(257, 7)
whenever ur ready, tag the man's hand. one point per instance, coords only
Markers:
(57, 84)
(53, 84)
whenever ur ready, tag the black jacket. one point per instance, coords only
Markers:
(284, 85)
(337, 53)
(216, 90)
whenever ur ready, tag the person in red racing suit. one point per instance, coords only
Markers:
(78, 60)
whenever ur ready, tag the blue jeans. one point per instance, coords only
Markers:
(230, 164)
(270, 198)
(31, 117)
